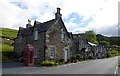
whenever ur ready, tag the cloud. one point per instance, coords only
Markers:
(20, 4)
(79, 16)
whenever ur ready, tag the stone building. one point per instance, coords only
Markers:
(87, 49)
(50, 39)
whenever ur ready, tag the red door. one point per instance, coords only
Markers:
(29, 55)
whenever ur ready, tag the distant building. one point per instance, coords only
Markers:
(88, 49)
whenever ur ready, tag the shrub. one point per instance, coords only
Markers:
(68, 60)
(75, 61)
(75, 58)
(5, 59)
(61, 60)
(49, 63)
(78, 57)
(119, 64)
(72, 58)
(112, 53)
(8, 51)
(90, 57)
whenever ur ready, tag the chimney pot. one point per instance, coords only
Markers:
(57, 14)
(58, 10)
(29, 24)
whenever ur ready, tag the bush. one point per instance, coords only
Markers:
(112, 53)
(72, 58)
(90, 57)
(75, 58)
(78, 57)
(49, 63)
(5, 59)
(61, 60)
(8, 51)
(68, 60)
(119, 64)
(75, 61)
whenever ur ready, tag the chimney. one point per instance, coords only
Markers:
(57, 14)
(29, 24)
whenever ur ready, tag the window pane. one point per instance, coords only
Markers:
(36, 35)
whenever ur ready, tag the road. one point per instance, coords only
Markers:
(98, 66)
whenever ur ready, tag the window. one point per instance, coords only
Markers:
(36, 53)
(52, 52)
(62, 35)
(36, 35)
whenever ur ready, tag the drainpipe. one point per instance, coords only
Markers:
(44, 44)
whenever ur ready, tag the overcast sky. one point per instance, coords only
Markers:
(79, 16)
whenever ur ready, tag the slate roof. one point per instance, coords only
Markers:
(44, 26)
(41, 27)
(26, 31)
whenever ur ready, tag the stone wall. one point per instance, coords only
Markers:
(19, 45)
(53, 38)
(39, 48)
(38, 45)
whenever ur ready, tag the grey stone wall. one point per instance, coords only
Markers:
(39, 48)
(19, 45)
(38, 45)
(53, 38)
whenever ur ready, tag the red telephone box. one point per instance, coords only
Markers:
(29, 55)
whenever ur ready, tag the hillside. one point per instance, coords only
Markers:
(111, 40)
(6, 40)
(9, 33)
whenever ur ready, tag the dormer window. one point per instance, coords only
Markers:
(36, 35)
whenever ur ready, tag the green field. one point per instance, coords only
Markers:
(10, 33)
(7, 50)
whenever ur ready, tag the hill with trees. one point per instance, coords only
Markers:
(111, 40)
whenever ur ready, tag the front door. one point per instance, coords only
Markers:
(66, 55)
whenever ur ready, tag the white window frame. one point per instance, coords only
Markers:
(36, 35)
(36, 53)
(52, 51)
(62, 35)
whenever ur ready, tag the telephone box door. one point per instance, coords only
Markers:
(29, 55)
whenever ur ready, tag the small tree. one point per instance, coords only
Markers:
(90, 36)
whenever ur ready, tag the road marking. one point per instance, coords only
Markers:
(115, 71)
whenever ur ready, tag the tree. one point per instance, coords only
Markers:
(100, 37)
(104, 43)
(91, 36)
